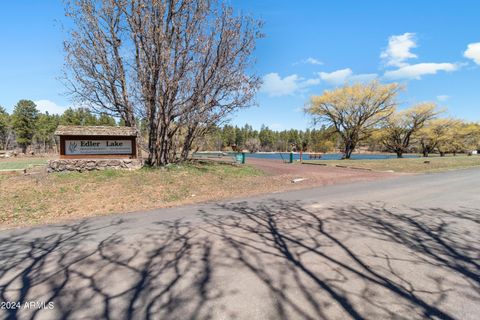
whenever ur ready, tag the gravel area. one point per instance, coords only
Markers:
(316, 174)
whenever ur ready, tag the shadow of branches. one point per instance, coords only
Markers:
(274, 259)
(161, 274)
(360, 262)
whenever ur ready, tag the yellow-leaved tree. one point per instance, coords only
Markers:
(470, 135)
(437, 134)
(459, 137)
(400, 127)
(354, 110)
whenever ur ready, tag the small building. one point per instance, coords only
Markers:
(86, 148)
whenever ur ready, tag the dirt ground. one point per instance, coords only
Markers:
(315, 175)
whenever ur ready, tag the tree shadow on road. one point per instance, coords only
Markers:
(359, 262)
(272, 260)
(162, 274)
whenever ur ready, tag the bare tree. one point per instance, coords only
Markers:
(97, 69)
(400, 127)
(252, 145)
(354, 110)
(182, 63)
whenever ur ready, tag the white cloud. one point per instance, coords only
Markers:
(310, 82)
(342, 76)
(443, 97)
(309, 60)
(276, 86)
(50, 106)
(416, 71)
(473, 52)
(398, 50)
(336, 77)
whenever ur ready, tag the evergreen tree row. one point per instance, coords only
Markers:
(323, 139)
(28, 128)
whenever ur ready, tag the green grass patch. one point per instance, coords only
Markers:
(98, 176)
(199, 168)
(414, 165)
(21, 164)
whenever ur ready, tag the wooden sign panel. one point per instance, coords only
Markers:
(103, 147)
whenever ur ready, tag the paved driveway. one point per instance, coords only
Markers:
(405, 248)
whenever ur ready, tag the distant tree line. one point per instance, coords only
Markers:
(231, 137)
(30, 130)
(434, 135)
(418, 129)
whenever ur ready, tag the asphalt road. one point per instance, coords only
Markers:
(404, 248)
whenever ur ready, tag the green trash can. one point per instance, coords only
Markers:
(291, 157)
(240, 158)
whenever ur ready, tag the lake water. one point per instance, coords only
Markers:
(296, 156)
(328, 156)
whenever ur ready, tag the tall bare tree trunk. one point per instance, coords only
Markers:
(176, 63)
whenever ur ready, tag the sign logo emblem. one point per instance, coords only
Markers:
(72, 147)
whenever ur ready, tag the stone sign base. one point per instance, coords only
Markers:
(64, 165)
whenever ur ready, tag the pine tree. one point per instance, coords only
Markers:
(24, 122)
(78, 117)
(46, 126)
(105, 120)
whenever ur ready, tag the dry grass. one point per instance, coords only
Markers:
(46, 198)
(413, 165)
(20, 163)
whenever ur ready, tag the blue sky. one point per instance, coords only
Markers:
(433, 47)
